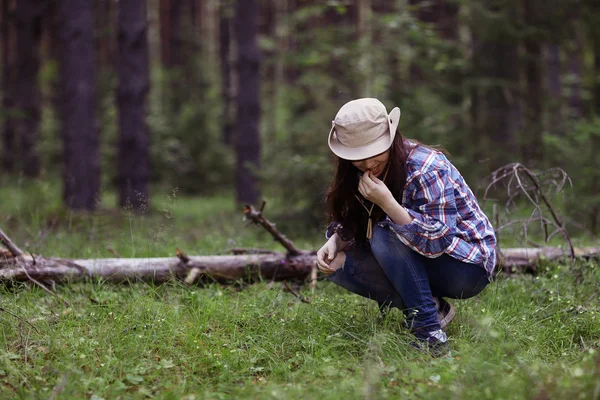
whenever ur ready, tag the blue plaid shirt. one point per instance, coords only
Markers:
(447, 217)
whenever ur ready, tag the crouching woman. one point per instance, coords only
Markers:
(405, 229)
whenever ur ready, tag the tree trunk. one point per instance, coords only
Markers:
(533, 143)
(276, 266)
(105, 26)
(29, 33)
(247, 136)
(575, 68)
(134, 143)
(554, 84)
(496, 103)
(225, 27)
(78, 81)
(165, 32)
(8, 87)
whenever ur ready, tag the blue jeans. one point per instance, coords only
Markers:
(388, 271)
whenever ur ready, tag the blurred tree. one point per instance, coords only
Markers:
(575, 54)
(554, 88)
(134, 142)
(28, 17)
(170, 25)
(79, 129)
(533, 136)
(106, 38)
(8, 87)
(225, 47)
(247, 134)
(495, 100)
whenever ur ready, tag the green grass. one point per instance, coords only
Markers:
(521, 337)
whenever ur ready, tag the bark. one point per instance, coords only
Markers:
(575, 68)
(28, 16)
(165, 32)
(596, 47)
(247, 138)
(533, 143)
(554, 84)
(224, 269)
(8, 87)
(80, 134)
(225, 28)
(134, 142)
(276, 266)
(105, 40)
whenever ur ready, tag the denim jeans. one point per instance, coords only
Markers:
(394, 275)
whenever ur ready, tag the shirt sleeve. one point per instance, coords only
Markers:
(433, 208)
(336, 227)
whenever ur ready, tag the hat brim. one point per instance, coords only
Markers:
(370, 150)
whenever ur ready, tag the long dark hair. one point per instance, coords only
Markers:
(341, 202)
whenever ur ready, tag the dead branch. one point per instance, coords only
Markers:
(41, 285)
(14, 249)
(238, 251)
(258, 218)
(21, 319)
(534, 192)
(296, 294)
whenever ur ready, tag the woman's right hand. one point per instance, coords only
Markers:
(327, 256)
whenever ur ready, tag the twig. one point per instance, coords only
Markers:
(14, 249)
(181, 255)
(535, 194)
(258, 218)
(313, 279)
(20, 318)
(298, 295)
(114, 252)
(45, 232)
(44, 287)
(238, 251)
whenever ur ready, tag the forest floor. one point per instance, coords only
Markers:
(524, 337)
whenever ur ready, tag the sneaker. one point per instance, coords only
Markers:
(446, 311)
(435, 343)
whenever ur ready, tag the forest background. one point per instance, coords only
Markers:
(132, 128)
(237, 97)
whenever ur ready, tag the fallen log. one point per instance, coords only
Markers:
(245, 264)
(249, 267)
(526, 259)
(224, 269)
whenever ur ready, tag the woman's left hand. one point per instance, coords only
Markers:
(374, 190)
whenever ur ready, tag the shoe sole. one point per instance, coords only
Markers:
(449, 316)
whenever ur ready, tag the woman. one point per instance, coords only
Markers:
(405, 229)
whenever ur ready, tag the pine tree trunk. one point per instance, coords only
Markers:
(575, 68)
(247, 138)
(554, 85)
(134, 142)
(225, 28)
(498, 112)
(165, 32)
(8, 88)
(533, 143)
(29, 32)
(78, 81)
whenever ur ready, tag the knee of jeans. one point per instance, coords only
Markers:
(385, 240)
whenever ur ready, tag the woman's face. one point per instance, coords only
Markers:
(375, 164)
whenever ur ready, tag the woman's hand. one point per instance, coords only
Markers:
(330, 257)
(374, 189)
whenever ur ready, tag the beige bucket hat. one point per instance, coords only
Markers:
(362, 129)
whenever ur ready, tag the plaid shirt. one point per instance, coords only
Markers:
(447, 217)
